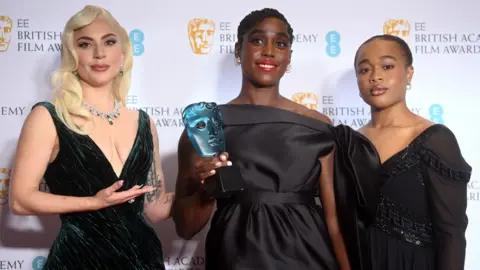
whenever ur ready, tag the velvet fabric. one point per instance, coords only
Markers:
(116, 237)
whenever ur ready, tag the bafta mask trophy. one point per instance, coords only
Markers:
(204, 125)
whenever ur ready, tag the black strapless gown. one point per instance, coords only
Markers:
(116, 237)
(276, 223)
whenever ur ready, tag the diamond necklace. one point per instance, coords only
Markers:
(108, 116)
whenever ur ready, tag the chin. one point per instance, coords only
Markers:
(265, 81)
(381, 104)
(99, 81)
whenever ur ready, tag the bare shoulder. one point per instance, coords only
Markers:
(364, 130)
(317, 115)
(422, 126)
(38, 130)
(39, 118)
(300, 109)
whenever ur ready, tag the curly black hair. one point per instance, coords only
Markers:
(256, 17)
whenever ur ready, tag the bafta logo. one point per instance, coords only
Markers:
(201, 33)
(400, 28)
(6, 26)
(309, 100)
(4, 184)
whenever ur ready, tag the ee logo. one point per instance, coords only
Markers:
(333, 44)
(137, 38)
(38, 262)
(436, 113)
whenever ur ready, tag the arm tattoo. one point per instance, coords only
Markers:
(43, 186)
(154, 180)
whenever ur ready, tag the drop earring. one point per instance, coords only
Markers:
(237, 61)
(121, 71)
(409, 86)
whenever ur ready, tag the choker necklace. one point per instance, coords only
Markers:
(108, 116)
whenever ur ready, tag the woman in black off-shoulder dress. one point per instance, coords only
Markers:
(288, 155)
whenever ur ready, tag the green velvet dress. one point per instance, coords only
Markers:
(116, 237)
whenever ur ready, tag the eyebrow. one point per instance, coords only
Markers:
(91, 39)
(383, 58)
(258, 31)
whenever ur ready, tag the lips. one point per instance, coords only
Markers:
(267, 65)
(214, 141)
(99, 67)
(378, 90)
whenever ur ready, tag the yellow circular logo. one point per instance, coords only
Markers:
(4, 183)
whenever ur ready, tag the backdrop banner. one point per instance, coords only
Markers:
(183, 53)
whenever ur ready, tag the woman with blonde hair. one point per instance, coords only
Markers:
(100, 160)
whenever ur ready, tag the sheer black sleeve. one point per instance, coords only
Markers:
(447, 177)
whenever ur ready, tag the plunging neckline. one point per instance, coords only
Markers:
(129, 156)
(403, 150)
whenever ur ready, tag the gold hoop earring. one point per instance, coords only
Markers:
(237, 61)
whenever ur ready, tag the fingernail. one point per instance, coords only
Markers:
(212, 172)
(120, 182)
(141, 186)
(218, 164)
(223, 157)
(229, 163)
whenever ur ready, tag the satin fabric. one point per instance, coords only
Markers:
(275, 223)
(116, 237)
(357, 191)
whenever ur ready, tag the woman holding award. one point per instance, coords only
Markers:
(283, 156)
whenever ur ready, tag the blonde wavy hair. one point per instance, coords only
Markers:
(68, 94)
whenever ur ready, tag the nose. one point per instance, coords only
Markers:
(376, 76)
(99, 52)
(212, 129)
(204, 37)
(268, 50)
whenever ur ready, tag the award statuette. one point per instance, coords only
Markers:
(204, 125)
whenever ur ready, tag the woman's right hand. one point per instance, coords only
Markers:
(205, 167)
(109, 196)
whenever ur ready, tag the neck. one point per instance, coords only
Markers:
(397, 115)
(101, 98)
(251, 94)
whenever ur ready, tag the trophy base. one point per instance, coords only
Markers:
(227, 181)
